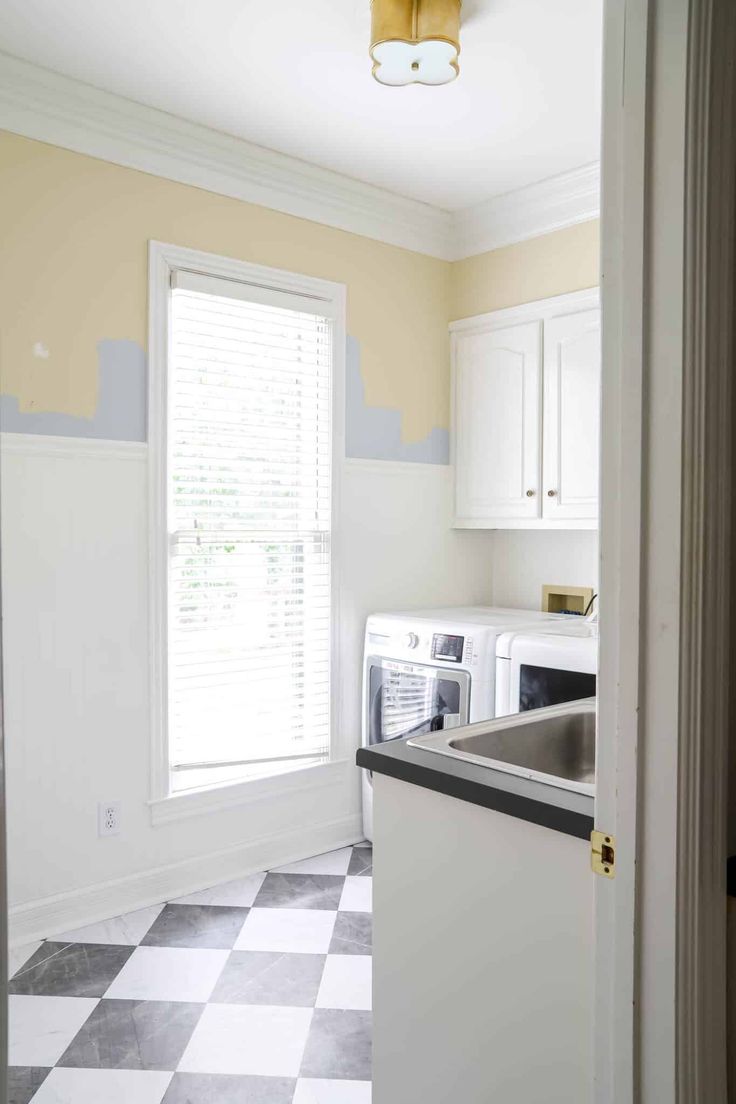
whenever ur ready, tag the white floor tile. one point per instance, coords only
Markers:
(240, 892)
(333, 862)
(168, 974)
(357, 895)
(18, 956)
(127, 930)
(41, 1028)
(313, 1091)
(308, 931)
(92, 1086)
(346, 982)
(247, 1039)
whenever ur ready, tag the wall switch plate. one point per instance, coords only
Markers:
(108, 818)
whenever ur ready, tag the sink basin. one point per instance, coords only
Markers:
(554, 745)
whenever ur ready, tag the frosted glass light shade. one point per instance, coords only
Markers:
(415, 41)
(432, 61)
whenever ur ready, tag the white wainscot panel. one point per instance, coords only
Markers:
(75, 592)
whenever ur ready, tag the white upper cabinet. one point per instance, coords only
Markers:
(526, 415)
(497, 397)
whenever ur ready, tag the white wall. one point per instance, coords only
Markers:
(76, 676)
(524, 560)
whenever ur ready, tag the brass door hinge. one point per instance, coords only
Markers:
(603, 854)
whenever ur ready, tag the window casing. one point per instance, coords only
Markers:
(245, 426)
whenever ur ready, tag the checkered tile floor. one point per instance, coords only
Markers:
(253, 992)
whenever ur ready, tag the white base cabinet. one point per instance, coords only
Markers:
(482, 955)
(526, 415)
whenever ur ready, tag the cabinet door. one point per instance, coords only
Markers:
(572, 371)
(497, 424)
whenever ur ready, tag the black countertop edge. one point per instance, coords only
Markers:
(731, 876)
(412, 769)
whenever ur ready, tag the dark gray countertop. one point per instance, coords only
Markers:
(558, 809)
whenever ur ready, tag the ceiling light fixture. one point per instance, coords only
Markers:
(415, 41)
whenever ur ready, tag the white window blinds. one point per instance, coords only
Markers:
(249, 514)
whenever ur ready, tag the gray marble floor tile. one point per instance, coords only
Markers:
(227, 1088)
(302, 891)
(361, 861)
(352, 934)
(212, 926)
(73, 970)
(338, 1046)
(270, 977)
(134, 1035)
(23, 1082)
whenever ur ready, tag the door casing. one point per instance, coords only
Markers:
(669, 140)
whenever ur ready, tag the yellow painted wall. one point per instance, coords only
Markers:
(566, 260)
(73, 271)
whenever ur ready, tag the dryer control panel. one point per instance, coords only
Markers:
(448, 648)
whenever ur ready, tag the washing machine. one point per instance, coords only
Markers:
(430, 669)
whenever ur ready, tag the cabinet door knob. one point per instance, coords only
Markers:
(551, 494)
(530, 494)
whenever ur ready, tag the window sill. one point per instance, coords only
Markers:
(230, 795)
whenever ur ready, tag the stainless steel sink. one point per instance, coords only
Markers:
(555, 745)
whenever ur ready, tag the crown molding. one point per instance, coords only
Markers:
(551, 204)
(49, 107)
(38, 103)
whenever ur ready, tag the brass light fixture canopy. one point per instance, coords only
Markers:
(415, 41)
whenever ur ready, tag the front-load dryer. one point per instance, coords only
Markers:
(553, 665)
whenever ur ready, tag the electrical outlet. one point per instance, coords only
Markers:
(108, 818)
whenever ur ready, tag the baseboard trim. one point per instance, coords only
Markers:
(44, 917)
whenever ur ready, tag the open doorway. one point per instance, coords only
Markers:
(187, 686)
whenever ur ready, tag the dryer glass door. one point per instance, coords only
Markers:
(540, 686)
(409, 699)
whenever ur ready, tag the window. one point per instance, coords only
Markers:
(243, 519)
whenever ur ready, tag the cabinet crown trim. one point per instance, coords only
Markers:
(536, 311)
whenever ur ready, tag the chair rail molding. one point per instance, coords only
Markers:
(71, 448)
(50, 107)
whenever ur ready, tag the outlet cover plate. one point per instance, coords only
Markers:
(108, 818)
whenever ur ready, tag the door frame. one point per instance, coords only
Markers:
(4, 966)
(668, 292)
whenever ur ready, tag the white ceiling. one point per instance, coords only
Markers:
(294, 76)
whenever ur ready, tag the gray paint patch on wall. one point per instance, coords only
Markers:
(121, 401)
(374, 432)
